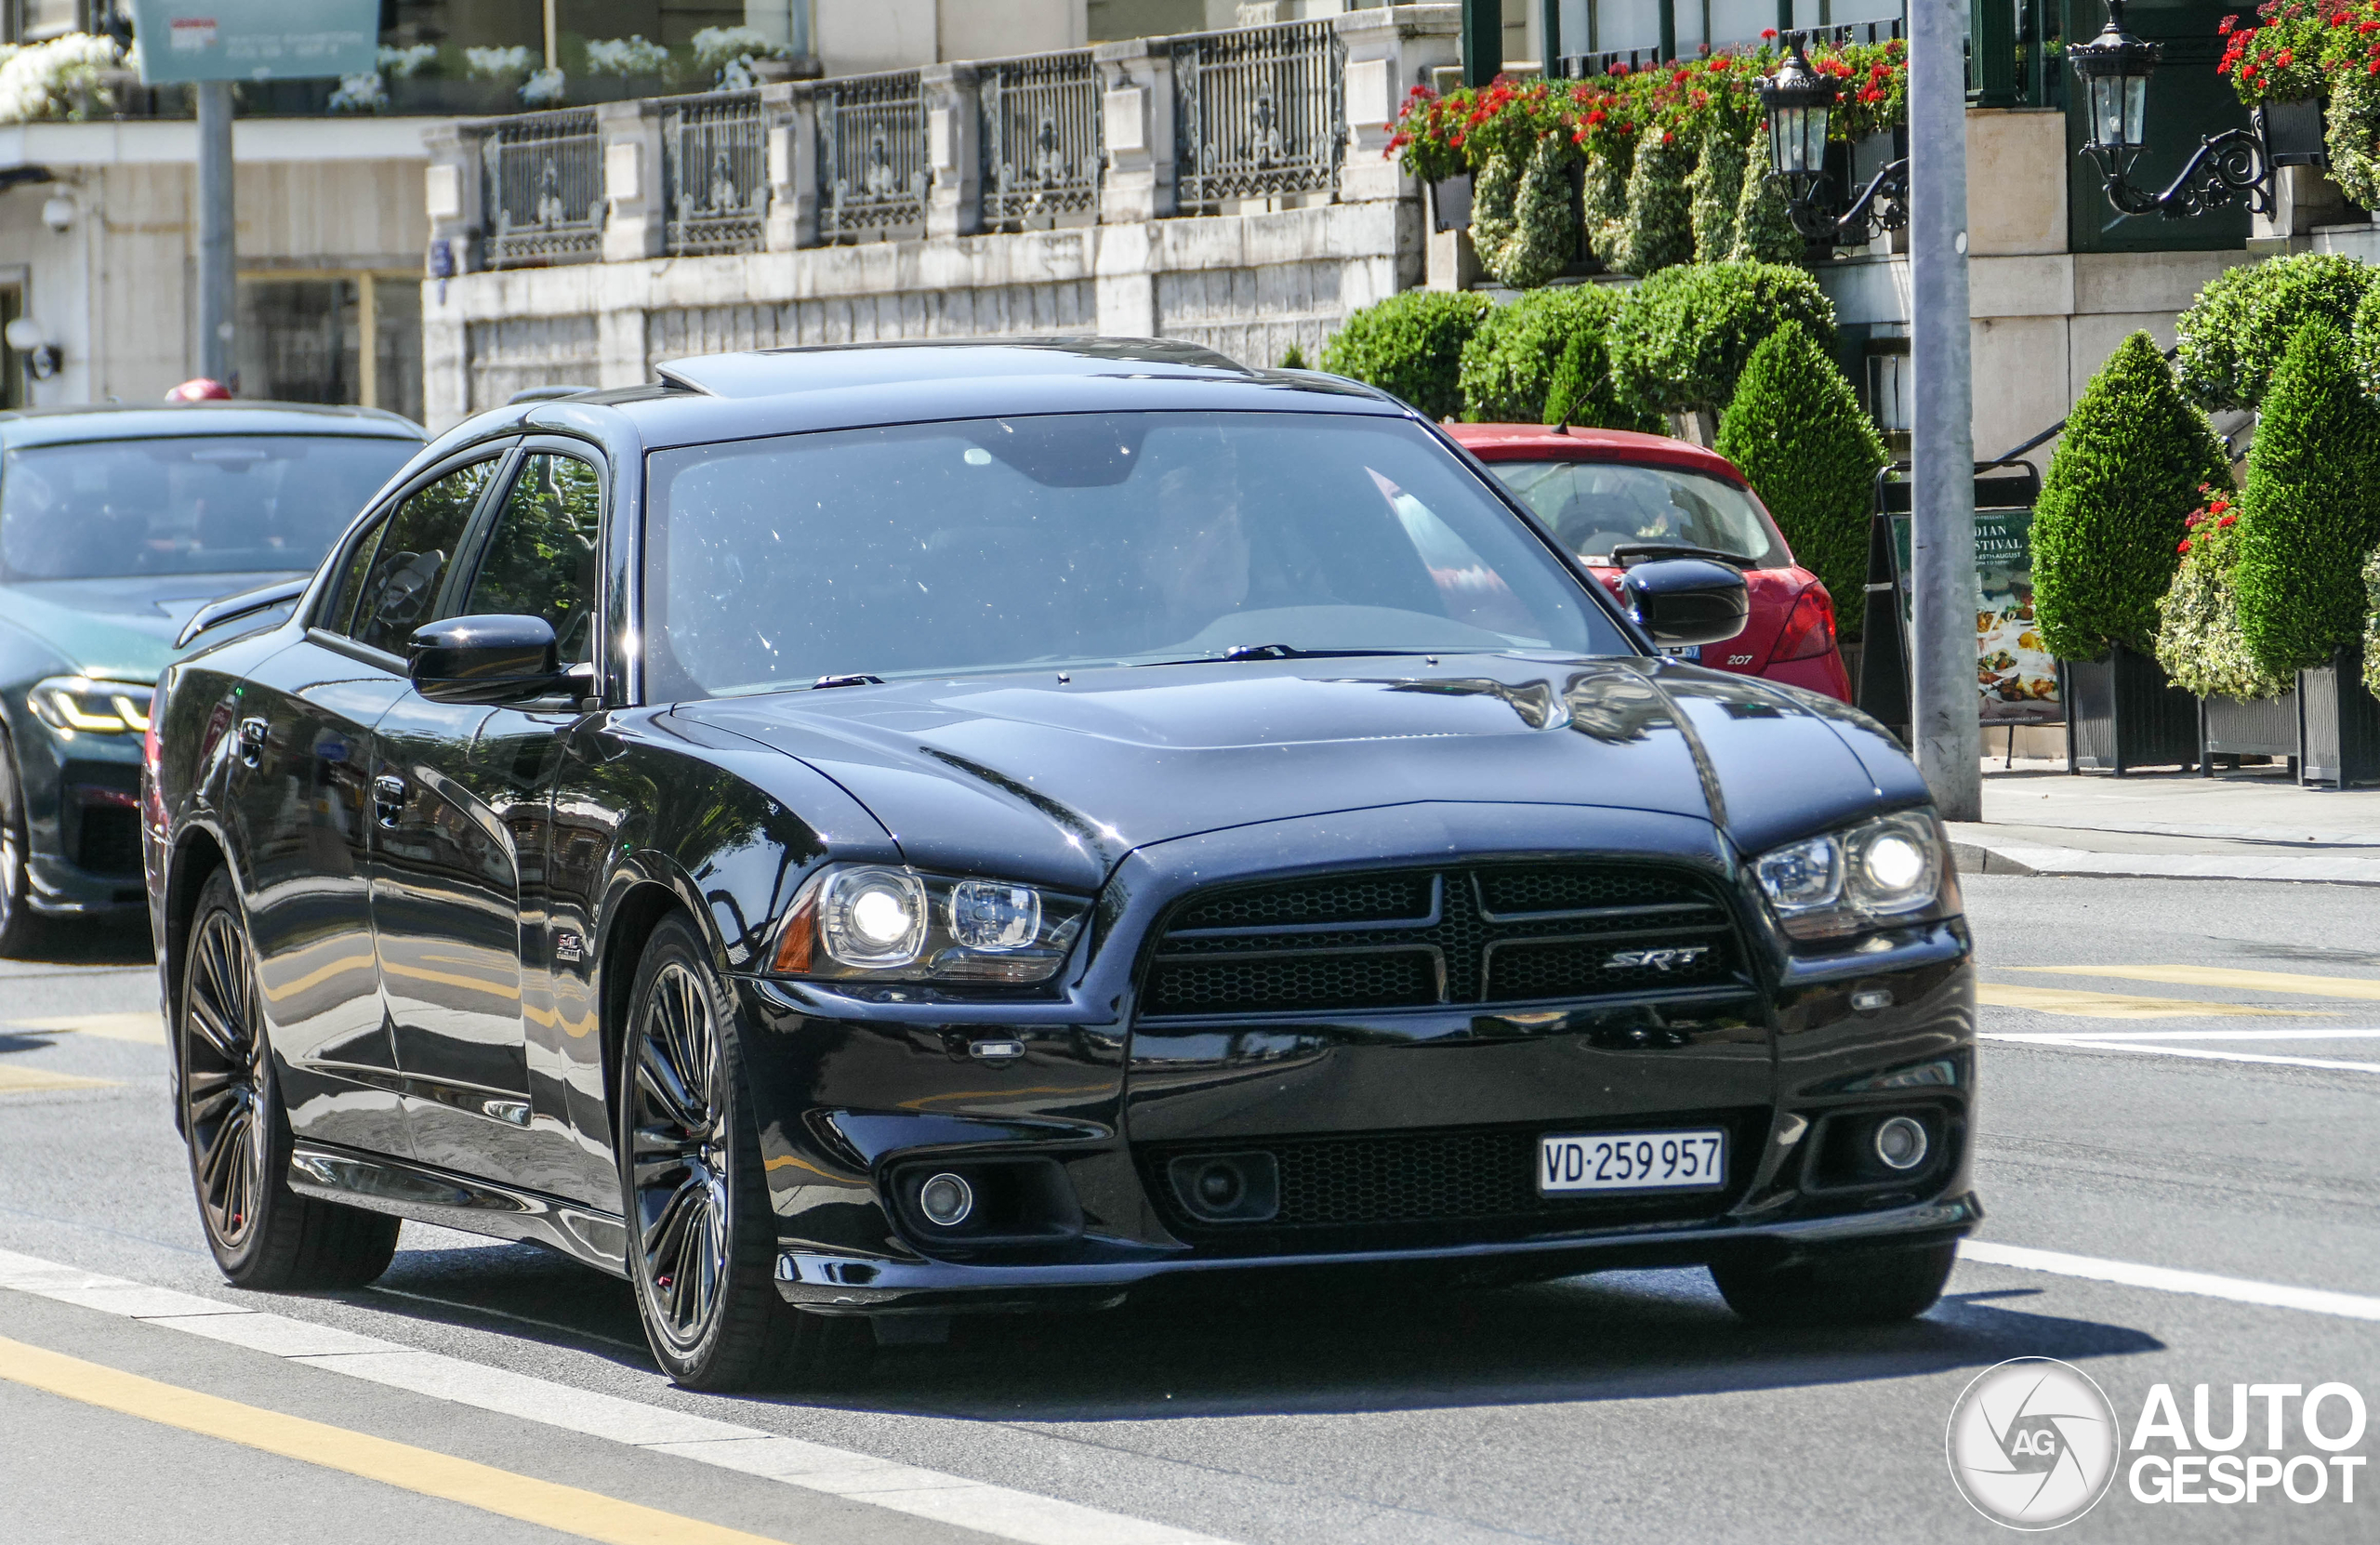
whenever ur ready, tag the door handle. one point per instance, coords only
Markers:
(251, 737)
(388, 798)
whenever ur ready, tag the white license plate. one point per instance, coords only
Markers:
(1633, 1161)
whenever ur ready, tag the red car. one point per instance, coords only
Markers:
(1611, 495)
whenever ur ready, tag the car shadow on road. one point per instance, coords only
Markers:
(102, 940)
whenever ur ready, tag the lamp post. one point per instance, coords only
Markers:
(1799, 102)
(2231, 167)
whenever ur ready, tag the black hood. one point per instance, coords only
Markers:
(1054, 782)
(120, 628)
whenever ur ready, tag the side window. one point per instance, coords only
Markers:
(400, 588)
(542, 557)
(338, 607)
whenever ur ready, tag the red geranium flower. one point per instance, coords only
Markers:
(2184, 547)
(2227, 520)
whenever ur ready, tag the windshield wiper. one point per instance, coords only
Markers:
(857, 679)
(1292, 652)
(1675, 549)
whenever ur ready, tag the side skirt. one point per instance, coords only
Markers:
(379, 1183)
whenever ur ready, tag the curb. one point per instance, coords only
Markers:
(1974, 858)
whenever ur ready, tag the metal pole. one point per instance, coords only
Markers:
(1946, 736)
(217, 255)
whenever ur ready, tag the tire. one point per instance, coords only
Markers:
(18, 922)
(1866, 1286)
(702, 1237)
(264, 1236)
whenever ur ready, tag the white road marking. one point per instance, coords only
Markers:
(928, 1494)
(2100, 1043)
(2272, 1295)
(2185, 1035)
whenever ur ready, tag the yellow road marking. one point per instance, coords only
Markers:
(589, 1515)
(2226, 976)
(2068, 1000)
(144, 1026)
(25, 1080)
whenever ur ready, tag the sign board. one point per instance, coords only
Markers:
(254, 40)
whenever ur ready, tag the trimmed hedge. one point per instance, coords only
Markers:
(1510, 365)
(1658, 231)
(1545, 219)
(1409, 346)
(1803, 442)
(2312, 509)
(2199, 641)
(2125, 476)
(2233, 334)
(1683, 335)
(1765, 230)
(1716, 185)
(2365, 340)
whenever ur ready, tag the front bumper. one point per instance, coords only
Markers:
(82, 820)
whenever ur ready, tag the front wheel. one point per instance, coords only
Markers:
(1874, 1286)
(263, 1234)
(702, 1238)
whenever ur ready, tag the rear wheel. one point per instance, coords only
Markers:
(16, 919)
(702, 1238)
(264, 1236)
(1865, 1287)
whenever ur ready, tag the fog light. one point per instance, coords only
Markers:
(947, 1199)
(1901, 1143)
(1220, 1186)
(1228, 1188)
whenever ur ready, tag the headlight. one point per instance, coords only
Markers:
(873, 922)
(69, 703)
(1891, 869)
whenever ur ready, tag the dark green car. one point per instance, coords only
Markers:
(117, 525)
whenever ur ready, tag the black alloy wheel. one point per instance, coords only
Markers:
(1873, 1286)
(263, 1234)
(702, 1238)
(16, 919)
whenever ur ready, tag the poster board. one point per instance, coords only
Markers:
(254, 40)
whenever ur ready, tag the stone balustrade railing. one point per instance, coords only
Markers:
(1220, 123)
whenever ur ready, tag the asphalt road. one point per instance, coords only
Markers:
(2181, 1078)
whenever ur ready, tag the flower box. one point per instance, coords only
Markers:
(2122, 714)
(2292, 132)
(1450, 203)
(2247, 727)
(2342, 724)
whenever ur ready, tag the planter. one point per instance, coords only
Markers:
(433, 96)
(2122, 714)
(2247, 727)
(2342, 724)
(2292, 132)
(586, 90)
(1450, 203)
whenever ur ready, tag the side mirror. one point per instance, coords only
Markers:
(489, 659)
(1686, 600)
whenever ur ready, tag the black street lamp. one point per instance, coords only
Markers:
(1799, 101)
(2230, 167)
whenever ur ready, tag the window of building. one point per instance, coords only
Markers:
(301, 340)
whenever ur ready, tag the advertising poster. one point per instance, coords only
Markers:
(2016, 676)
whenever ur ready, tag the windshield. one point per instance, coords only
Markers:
(1596, 505)
(1086, 538)
(198, 503)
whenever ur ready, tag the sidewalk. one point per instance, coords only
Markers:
(2254, 824)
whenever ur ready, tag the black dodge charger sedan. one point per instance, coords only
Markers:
(846, 836)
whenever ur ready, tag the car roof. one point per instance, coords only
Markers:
(1543, 443)
(770, 391)
(165, 421)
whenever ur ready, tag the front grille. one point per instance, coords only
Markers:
(1490, 933)
(1464, 1177)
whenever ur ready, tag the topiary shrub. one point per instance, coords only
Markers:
(1545, 222)
(1658, 231)
(1409, 346)
(1495, 188)
(2312, 509)
(1765, 230)
(2351, 121)
(2232, 335)
(1683, 335)
(1508, 366)
(1716, 191)
(2371, 623)
(1603, 204)
(1582, 392)
(2199, 641)
(2364, 340)
(1797, 432)
(2129, 468)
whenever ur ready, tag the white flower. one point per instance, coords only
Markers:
(359, 93)
(40, 81)
(626, 56)
(545, 89)
(497, 64)
(403, 64)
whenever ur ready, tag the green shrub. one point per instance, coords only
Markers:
(2124, 477)
(1604, 205)
(2365, 340)
(2199, 641)
(1545, 220)
(1494, 190)
(2234, 333)
(1293, 358)
(1508, 365)
(1683, 336)
(1582, 392)
(1409, 346)
(1765, 230)
(2312, 509)
(1716, 187)
(2353, 135)
(2371, 623)
(1658, 231)
(1807, 448)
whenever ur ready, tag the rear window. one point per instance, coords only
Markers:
(1596, 506)
(194, 504)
